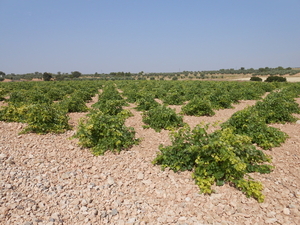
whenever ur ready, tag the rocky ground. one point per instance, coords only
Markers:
(49, 179)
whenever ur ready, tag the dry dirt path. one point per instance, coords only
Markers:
(49, 179)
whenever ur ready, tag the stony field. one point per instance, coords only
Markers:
(49, 179)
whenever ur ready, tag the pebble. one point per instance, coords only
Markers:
(110, 181)
(3, 156)
(140, 176)
(286, 211)
(114, 212)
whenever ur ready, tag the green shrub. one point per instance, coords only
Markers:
(275, 79)
(278, 107)
(173, 98)
(162, 117)
(198, 107)
(256, 79)
(46, 118)
(13, 113)
(218, 157)
(102, 132)
(249, 122)
(74, 104)
(146, 102)
(110, 107)
(220, 99)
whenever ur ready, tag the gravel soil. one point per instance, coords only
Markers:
(49, 179)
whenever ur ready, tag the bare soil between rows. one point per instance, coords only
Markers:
(49, 179)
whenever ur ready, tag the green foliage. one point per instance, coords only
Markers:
(13, 113)
(173, 97)
(110, 101)
(76, 74)
(102, 132)
(278, 107)
(220, 99)
(110, 107)
(46, 118)
(162, 117)
(218, 158)
(275, 79)
(256, 79)
(249, 122)
(47, 76)
(146, 102)
(74, 104)
(2, 94)
(198, 107)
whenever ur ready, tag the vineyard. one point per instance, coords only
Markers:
(107, 118)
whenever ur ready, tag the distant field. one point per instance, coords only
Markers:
(289, 79)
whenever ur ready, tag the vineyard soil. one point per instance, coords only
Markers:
(49, 179)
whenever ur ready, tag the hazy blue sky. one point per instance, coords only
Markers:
(147, 35)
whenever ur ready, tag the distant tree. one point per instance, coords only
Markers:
(242, 68)
(76, 74)
(2, 74)
(59, 77)
(1, 79)
(255, 79)
(47, 76)
(275, 79)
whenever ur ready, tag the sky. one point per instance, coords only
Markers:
(106, 36)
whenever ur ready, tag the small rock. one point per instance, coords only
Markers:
(183, 218)
(110, 180)
(103, 214)
(65, 176)
(131, 220)
(114, 212)
(147, 182)
(271, 214)
(10, 160)
(271, 220)
(3, 156)
(286, 211)
(83, 208)
(28, 223)
(51, 219)
(140, 176)
(84, 202)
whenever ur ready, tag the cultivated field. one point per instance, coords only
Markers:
(50, 179)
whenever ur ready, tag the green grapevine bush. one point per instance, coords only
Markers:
(173, 98)
(102, 132)
(219, 157)
(278, 107)
(249, 122)
(198, 107)
(146, 102)
(46, 118)
(162, 117)
(13, 113)
(110, 107)
(74, 104)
